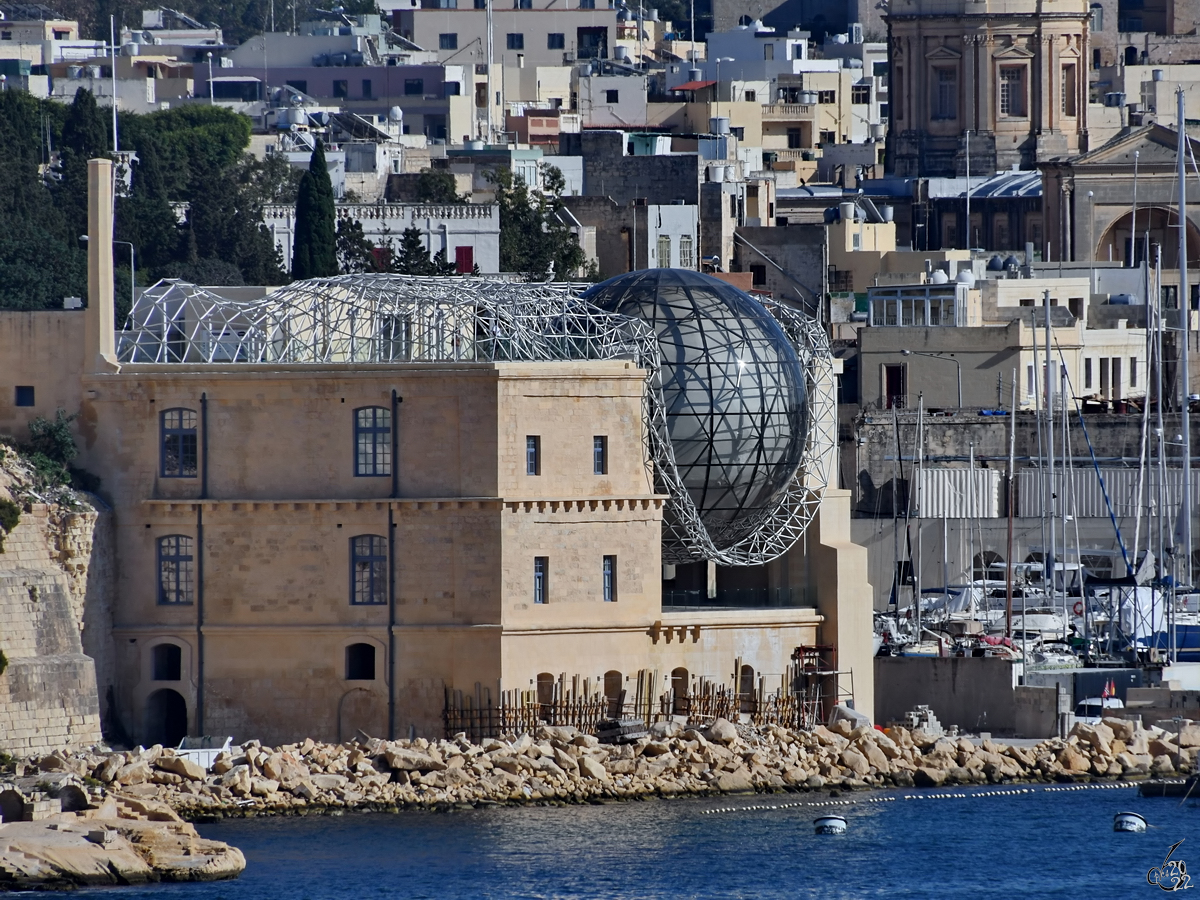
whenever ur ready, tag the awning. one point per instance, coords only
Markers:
(693, 85)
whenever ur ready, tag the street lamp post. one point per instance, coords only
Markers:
(957, 367)
(132, 270)
(211, 100)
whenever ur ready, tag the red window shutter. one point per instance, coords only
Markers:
(464, 260)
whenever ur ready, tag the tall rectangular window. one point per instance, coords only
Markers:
(178, 454)
(541, 579)
(464, 260)
(341, 89)
(448, 41)
(533, 455)
(1087, 373)
(368, 570)
(1012, 91)
(899, 83)
(664, 251)
(610, 579)
(860, 94)
(1068, 91)
(1133, 371)
(176, 572)
(373, 441)
(515, 41)
(945, 99)
(395, 339)
(600, 455)
(556, 40)
(366, 89)
(687, 259)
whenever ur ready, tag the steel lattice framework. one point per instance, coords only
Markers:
(382, 319)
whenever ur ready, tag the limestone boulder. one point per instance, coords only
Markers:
(1162, 746)
(722, 731)
(326, 782)
(1189, 736)
(1162, 766)
(855, 762)
(565, 761)
(589, 768)
(1122, 729)
(926, 777)
(107, 770)
(238, 780)
(412, 761)
(1072, 760)
(263, 787)
(874, 755)
(181, 766)
(133, 773)
(735, 782)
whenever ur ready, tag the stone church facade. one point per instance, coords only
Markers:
(1012, 73)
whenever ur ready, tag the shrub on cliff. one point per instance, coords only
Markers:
(10, 515)
(50, 450)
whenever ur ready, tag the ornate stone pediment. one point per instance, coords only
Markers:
(1154, 144)
(943, 54)
(1014, 52)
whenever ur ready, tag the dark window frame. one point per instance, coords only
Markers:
(533, 454)
(556, 40)
(541, 580)
(165, 665)
(176, 570)
(372, 442)
(368, 570)
(448, 41)
(414, 87)
(515, 40)
(609, 576)
(600, 454)
(178, 443)
(25, 395)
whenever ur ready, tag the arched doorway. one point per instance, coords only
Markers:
(1117, 242)
(361, 709)
(12, 805)
(166, 720)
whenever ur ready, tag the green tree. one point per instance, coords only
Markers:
(413, 259)
(145, 218)
(437, 186)
(534, 240)
(41, 258)
(314, 250)
(354, 252)
(84, 136)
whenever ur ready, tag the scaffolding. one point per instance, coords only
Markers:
(393, 319)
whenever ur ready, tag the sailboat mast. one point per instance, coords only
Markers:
(1048, 553)
(920, 499)
(1185, 303)
(1012, 450)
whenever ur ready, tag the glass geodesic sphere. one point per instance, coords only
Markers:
(734, 391)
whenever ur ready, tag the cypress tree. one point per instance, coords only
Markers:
(314, 250)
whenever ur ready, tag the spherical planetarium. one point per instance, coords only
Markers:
(735, 380)
(738, 405)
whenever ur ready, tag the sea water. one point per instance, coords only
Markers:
(1010, 842)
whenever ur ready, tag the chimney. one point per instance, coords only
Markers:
(99, 340)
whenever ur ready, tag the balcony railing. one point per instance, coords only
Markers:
(787, 112)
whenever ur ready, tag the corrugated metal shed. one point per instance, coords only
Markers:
(1080, 490)
(959, 493)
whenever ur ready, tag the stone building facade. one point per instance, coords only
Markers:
(1011, 72)
(275, 582)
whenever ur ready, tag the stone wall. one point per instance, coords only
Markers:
(48, 693)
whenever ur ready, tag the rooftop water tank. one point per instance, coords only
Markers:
(695, 74)
(621, 53)
(995, 264)
(965, 276)
(719, 124)
(396, 114)
(1122, 300)
(846, 211)
(939, 277)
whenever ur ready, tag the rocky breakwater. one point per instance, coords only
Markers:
(560, 764)
(120, 840)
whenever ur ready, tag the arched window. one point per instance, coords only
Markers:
(982, 563)
(368, 569)
(679, 692)
(167, 662)
(373, 441)
(176, 569)
(360, 662)
(178, 449)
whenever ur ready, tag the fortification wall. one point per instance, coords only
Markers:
(48, 692)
